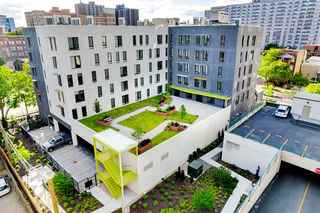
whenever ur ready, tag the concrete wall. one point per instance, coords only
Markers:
(303, 100)
(165, 158)
(299, 161)
(310, 70)
(237, 150)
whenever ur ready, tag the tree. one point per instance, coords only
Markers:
(2, 61)
(63, 184)
(313, 88)
(300, 81)
(138, 133)
(269, 56)
(280, 73)
(203, 200)
(183, 111)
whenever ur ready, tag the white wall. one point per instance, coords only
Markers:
(309, 100)
(247, 154)
(299, 161)
(178, 149)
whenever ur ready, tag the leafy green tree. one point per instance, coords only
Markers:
(280, 73)
(223, 178)
(183, 111)
(313, 88)
(2, 61)
(63, 184)
(203, 200)
(300, 81)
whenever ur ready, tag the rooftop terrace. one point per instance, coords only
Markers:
(286, 134)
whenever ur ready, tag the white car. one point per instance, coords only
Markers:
(282, 111)
(4, 186)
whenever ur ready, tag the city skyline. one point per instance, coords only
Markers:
(184, 9)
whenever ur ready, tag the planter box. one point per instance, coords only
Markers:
(177, 128)
(165, 113)
(144, 148)
(103, 122)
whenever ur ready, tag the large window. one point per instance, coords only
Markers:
(99, 91)
(137, 69)
(219, 86)
(74, 114)
(96, 59)
(54, 62)
(253, 42)
(136, 83)
(90, 42)
(141, 40)
(138, 95)
(94, 76)
(59, 80)
(123, 71)
(70, 80)
(73, 43)
(159, 39)
(222, 41)
(75, 62)
(111, 88)
(183, 39)
(113, 102)
(124, 55)
(84, 111)
(221, 56)
(147, 39)
(157, 78)
(118, 41)
(125, 99)
(104, 41)
(79, 96)
(159, 65)
(139, 54)
(106, 74)
(157, 50)
(109, 57)
(80, 79)
(124, 86)
(134, 40)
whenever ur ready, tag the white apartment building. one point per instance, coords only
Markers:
(90, 69)
(288, 23)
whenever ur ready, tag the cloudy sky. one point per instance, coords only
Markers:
(184, 9)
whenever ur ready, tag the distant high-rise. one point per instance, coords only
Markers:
(126, 16)
(7, 23)
(90, 9)
(287, 23)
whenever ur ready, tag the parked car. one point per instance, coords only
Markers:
(57, 141)
(282, 111)
(4, 186)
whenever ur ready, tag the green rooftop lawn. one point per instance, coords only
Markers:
(163, 136)
(188, 118)
(115, 113)
(146, 120)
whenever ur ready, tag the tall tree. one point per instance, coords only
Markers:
(2, 61)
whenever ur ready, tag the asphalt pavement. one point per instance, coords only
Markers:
(294, 190)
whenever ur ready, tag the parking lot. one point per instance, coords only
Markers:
(293, 190)
(11, 203)
(298, 138)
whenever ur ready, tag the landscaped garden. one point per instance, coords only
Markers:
(163, 136)
(179, 194)
(91, 122)
(70, 199)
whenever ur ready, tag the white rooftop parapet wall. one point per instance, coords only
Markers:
(164, 159)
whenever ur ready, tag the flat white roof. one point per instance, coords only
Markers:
(306, 95)
(116, 140)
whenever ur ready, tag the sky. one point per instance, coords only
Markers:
(184, 9)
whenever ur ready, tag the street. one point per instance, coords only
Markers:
(293, 191)
(12, 201)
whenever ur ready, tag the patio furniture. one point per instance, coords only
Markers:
(105, 122)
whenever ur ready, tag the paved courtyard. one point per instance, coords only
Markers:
(298, 138)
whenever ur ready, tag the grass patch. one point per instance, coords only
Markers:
(188, 118)
(146, 120)
(163, 136)
(115, 113)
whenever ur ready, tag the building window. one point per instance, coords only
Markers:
(159, 65)
(159, 39)
(252, 54)
(74, 114)
(106, 74)
(79, 96)
(150, 79)
(137, 69)
(247, 95)
(246, 57)
(80, 79)
(62, 111)
(150, 53)
(84, 111)
(150, 66)
(204, 84)
(113, 102)
(157, 78)
(75, 62)
(249, 82)
(142, 81)
(250, 68)
(70, 80)
(242, 42)
(238, 86)
(99, 91)
(148, 92)
(96, 59)
(157, 51)
(242, 87)
(111, 88)
(109, 57)
(53, 44)
(125, 99)
(90, 42)
(104, 41)
(244, 70)
(221, 56)
(94, 76)
(167, 38)
(54, 62)
(124, 55)
(139, 54)
(239, 72)
(222, 41)
(59, 80)
(248, 41)
(117, 57)
(147, 39)
(136, 82)
(134, 40)
(219, 71)
(219, 86)
(118, 41)
(124, 86)
(141, 40)
(241, 57)
(159, 89)
(138, 95)
(73, 43)
(184, 39)
(253, 41)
